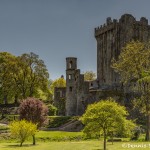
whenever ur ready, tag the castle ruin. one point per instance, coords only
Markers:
(111, 37)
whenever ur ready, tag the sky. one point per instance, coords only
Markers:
(56, 29)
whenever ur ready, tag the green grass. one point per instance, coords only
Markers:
(58, 136)
(75, 145)
(48, 136)
(59, 140)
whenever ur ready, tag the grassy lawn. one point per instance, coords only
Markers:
(59, 140)
(58, 136)
(78, 145)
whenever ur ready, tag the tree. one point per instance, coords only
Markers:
(143, 102)
(89, 76)
(133, 65)
(20, 76)
(22, 130)
(33, 110)
(7, 84)
(105, 116)
(30, 71)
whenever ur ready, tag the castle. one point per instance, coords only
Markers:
(111, 37)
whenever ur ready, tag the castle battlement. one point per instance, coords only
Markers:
(111, 37)
(109, 25)
(126, 19)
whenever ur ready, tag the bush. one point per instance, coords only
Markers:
(33, 110)
(52, 110)
(136, 133)
(44, 136)
(57, 121)
(22, 130)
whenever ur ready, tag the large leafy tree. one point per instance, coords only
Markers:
(133, 65)
(105, 116)
(34, 110)
(7, 84)
(31, 75)
(22, 76)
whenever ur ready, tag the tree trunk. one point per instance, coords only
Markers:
(16, 99)
(147, 138)
(112, 138)
(21, 144)
(33, 136)
(3, 113)
(105, 139)
(5, 99)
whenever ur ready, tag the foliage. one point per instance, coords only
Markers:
(136, 55)
(22, 130)
(105, 116)
(59, 136)
(11, 117)
(30, 71)
(57, 121)
(89, 75)
(33, 110)
(60, 82)
(7, 85)
(133, 66)
(20, 76)
(52, 110)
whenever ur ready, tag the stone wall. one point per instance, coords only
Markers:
(111, 37)
(60, 99)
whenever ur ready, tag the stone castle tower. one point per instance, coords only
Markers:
(71, 97)
(111, 37)
(76, 88)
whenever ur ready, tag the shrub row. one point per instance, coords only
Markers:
(59, 139)
(57, 121)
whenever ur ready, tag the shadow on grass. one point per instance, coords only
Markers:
(17, 145)
(97, 149)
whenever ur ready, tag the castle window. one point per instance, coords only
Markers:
(70, 76)
(70, 89)
(70, 64)
(91, 84)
